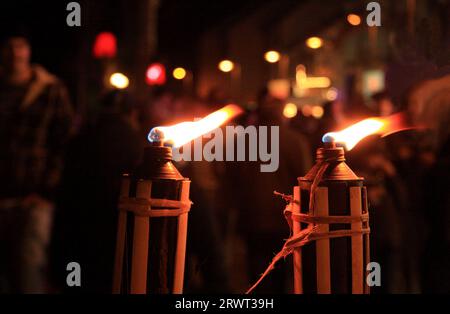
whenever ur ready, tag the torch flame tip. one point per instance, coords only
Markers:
(353, 134)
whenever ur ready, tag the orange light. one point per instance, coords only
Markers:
(317, 112)
(184, 132)
(353, 19)
(272, 56)
(226, 66)
(304, 82)
(290, 110)
(306, 110)
(318, 82)
(356, 132)
(314, 42)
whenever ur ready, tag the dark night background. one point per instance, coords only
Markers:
(402, 66)
(60, 48)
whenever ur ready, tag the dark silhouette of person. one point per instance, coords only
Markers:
(86, 219)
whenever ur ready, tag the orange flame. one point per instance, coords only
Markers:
(358, 131)
(184, 132)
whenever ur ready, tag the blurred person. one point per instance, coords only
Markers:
(387, 198)
(35, 122)
(383, 104)
(436, 207)
(333, 115)
(428, 105)
(401, 150)
(87, 213)
(386, 191)
(158, 110)
(356, 107)
(261, 222)
(217, 97)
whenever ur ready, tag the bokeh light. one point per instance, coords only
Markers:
(314, 42)
(317, 112)
(179, 73)
(226, 66)
(331, 94)
(119, 80)
(353, 19)
(306, 110)
(272, 56)
(290, 110)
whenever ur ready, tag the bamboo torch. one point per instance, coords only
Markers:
(332, 200)
(152, 227)
(332, 264)
(329, 217)
(153, 212)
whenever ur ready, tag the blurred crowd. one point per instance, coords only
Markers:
(60, 183)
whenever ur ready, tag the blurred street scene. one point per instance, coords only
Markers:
(77, 103)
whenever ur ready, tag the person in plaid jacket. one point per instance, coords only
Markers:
(35, 122)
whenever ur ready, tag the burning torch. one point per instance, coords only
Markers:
(329, 217)
(153, 212)
(331, 198)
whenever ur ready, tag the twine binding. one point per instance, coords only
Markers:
(310, 233)
(143, 206)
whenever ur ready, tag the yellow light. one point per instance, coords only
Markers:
(304, 82)
(119, 80)
(353, 19)
(272, 56)
(184, 132)
(226, 66)
(300, 76)
(290, 110)
(314, 42)
(318, 82)
(317, 112)
(179, 73)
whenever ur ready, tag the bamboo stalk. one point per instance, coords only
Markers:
(322, 245)
(366, 239)
(180, 254)
(357, 242)
(140, 244)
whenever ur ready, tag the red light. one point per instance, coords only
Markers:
(156, 74)
(105, 45)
